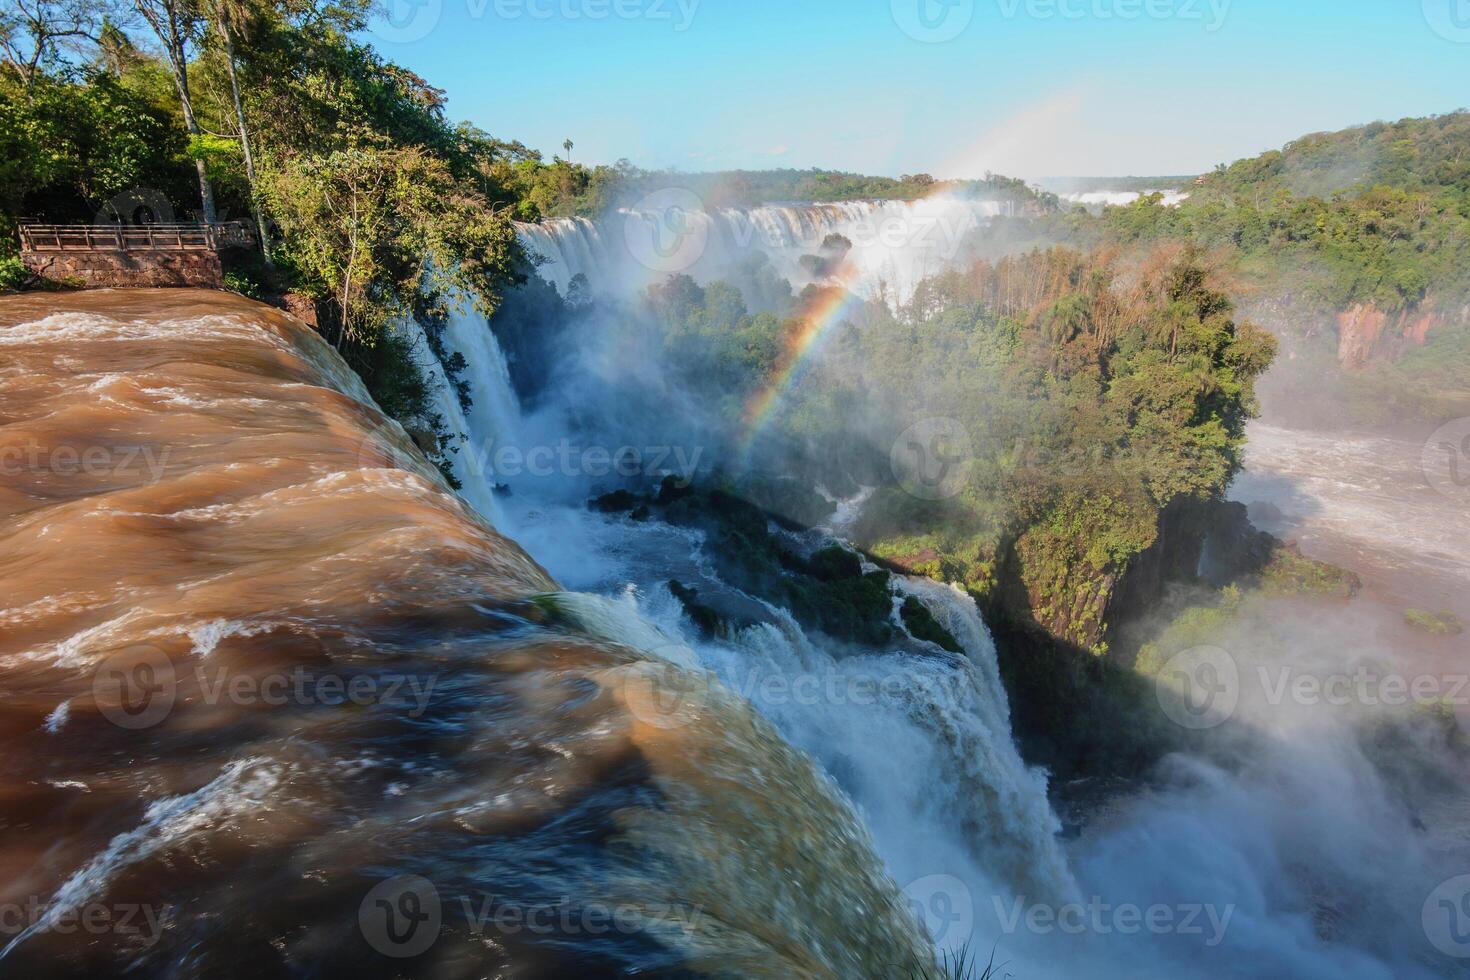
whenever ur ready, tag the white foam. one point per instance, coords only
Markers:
(242, 787)
(56, 720)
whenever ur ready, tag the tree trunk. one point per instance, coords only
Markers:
(265, 241)
(181, 79)
(171, 33)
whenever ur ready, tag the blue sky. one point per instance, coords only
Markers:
(953, 87)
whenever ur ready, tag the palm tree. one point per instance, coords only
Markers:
(567, 145)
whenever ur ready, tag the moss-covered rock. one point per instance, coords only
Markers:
(788, 499)
(827, 592)
(922, 625)
(1289, 572)
(705, 618)
(1441, 623)
(617, 502)
(853, 609)
(835, 563)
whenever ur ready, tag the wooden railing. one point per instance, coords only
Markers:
(127, 238)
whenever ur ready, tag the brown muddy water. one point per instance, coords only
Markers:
(274, 701)
(1381, 506)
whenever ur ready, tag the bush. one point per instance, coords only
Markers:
(12, 274)
(242, 284)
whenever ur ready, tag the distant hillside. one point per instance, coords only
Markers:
(562, 189)
(1429, 154)
(749, 188)
(1121, 185)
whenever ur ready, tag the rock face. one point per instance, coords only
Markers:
(1080, 603)
(1365, 333)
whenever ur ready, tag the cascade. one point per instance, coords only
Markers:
(895, 244)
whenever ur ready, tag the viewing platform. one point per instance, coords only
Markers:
(102, 255)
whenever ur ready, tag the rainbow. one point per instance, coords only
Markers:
(830, 307)
(827, 310)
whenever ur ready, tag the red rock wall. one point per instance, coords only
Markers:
(1359, 331)
(1365, 333)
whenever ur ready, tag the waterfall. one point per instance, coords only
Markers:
(894, 244)
(464, 458)
(929, 763)
(569, 246)
(915, 744)
(494, 414)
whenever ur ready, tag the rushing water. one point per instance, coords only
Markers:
(1366, 502)
(276, 702)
